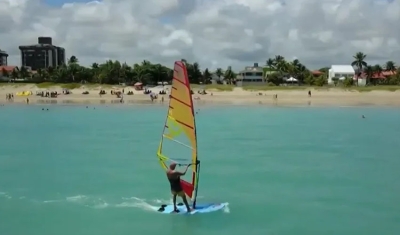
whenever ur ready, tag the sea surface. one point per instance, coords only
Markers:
(72, 170)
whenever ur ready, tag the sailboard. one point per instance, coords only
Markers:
(179, 143)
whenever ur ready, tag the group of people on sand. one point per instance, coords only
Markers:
(50, 94)
(10, 97)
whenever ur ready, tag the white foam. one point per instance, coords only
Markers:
(77, 198)
(137, 203)
(226, 208)
(5, 195)
(101, 205)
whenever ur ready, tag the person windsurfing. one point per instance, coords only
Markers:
(174, 178)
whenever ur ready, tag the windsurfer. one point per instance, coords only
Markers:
(176, 187)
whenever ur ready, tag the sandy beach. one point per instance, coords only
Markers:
(238, 96)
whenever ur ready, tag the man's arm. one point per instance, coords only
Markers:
(177, 173)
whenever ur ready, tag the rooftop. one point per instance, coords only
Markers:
(7, 68)
(317, 72)
(381, 75)
(37, 45)
(343, 68)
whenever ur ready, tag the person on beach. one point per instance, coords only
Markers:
(174, 178)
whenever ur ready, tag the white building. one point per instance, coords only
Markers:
(251, 75)
(340, 72)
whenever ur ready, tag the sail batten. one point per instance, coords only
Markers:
(179, 140)
(176, 141)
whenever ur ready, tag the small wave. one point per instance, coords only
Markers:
(87, 201)
(101, 205)
(137, 203)
(226, 209)
(51, 201)
(5, 195)
(77, 198)
(98, 204)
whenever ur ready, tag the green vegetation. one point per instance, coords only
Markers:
(12, 84)
(114, 73)
(218, 87)
(274, 88)
(63, 85)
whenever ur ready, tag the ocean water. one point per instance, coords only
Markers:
(74, 170)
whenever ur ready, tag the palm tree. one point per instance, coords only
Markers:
(369, 71)
(73, 67)
(158, 72)
(390, 66)
(359, 61)
(377, 69)
(270, 63)
(219, 73)
(281, 64)
(206, 77)
(15, 73)
(229, 75)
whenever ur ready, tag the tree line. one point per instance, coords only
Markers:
(115, 72)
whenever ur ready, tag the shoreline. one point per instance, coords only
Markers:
(237, 97)
(279, 103)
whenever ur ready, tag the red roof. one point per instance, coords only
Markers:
(7, 68)
(381, 75)
(389, 73)
(317, 72)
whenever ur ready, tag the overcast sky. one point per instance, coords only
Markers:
(215, 33)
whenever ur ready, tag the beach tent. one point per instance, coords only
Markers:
(291, 79)
(138, 86)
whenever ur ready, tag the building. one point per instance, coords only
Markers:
(42, 55)
(5, 72)
(3, 58)
(340, 72)
(251, 75)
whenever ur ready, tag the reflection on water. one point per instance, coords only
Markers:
(117, 101)
(141, 102)
(47, 101)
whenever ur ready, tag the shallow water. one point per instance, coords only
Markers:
(287, 171)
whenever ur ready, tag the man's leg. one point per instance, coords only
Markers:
(186, 202)
(174, 201)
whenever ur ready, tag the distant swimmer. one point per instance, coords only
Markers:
(363, 116)
(174, 178)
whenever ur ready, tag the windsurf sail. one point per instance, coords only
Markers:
(179, 141)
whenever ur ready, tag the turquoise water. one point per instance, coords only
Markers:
(283, 171)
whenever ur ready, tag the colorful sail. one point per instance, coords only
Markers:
(178, 142)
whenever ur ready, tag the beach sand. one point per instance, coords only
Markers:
(290, 97)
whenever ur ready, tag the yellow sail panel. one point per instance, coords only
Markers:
(181, 104)
(180, 124)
